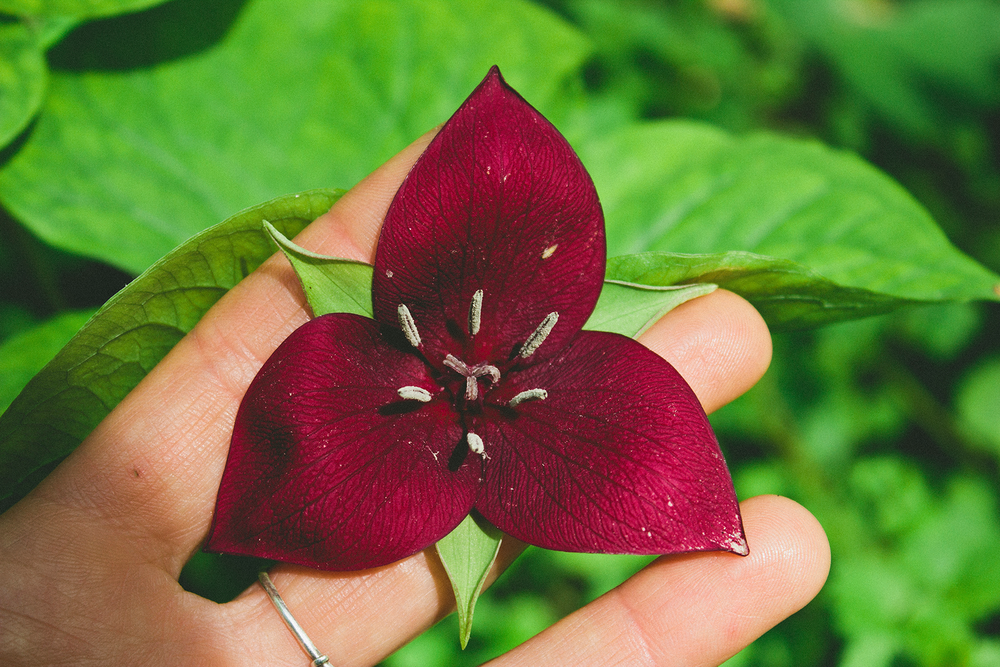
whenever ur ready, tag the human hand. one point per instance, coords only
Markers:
(89, 560)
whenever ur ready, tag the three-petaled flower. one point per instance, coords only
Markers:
(362, 441)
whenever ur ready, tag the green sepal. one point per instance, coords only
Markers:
(631, 308)
(468, 553)
(331, 284)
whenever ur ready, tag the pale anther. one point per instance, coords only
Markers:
(475, 444)
(476, 312)
(408, 326)
(539, 336)
(409, 393)
(530, 394)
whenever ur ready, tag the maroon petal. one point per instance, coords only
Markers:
(329, 467)
(498, 202)
(619, 457)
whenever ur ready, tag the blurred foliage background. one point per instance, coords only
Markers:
(887, 428)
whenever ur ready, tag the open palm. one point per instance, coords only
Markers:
(89, 560)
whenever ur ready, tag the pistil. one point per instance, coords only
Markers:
(472, 374)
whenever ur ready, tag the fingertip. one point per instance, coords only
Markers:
(711, 605)
(696, 609)
(789, 551)
(719, 343)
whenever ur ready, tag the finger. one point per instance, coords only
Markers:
(695, 609)
(719, 343)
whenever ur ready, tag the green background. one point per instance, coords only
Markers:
(727, 130)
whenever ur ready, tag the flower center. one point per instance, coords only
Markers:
(474, 373)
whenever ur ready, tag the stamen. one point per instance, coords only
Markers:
(471, 388)
(476, 312)
(528, 395)
(408, 326)
(539, 336)
(410, 393)
(476, 444)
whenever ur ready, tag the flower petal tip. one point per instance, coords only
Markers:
(738, 545)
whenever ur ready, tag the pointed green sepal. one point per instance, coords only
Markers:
(467, 554)
(631, 308)
(331, 284)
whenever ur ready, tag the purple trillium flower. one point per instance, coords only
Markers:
(362, 441)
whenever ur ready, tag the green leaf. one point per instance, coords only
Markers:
(51, 29)
(23, 355)
(135, 329)
(787, 294)
(978, 404)
(162, 123)
(14, 318)
(23, 76)
(629, 308)
(468, 553)
(911, 62)
(74, 8)
(685, 187)
(331, 284)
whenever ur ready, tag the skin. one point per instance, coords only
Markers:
(89, 560)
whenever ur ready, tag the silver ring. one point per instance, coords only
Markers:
(318, 659)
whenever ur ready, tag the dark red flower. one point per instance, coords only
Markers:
(362, 441)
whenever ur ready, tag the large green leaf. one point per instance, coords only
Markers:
(786, 293)
(686, 187)
(23, 74)
(135, 329)
(74, 8)
(915, 63)
(192, 115)
(23, 355)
